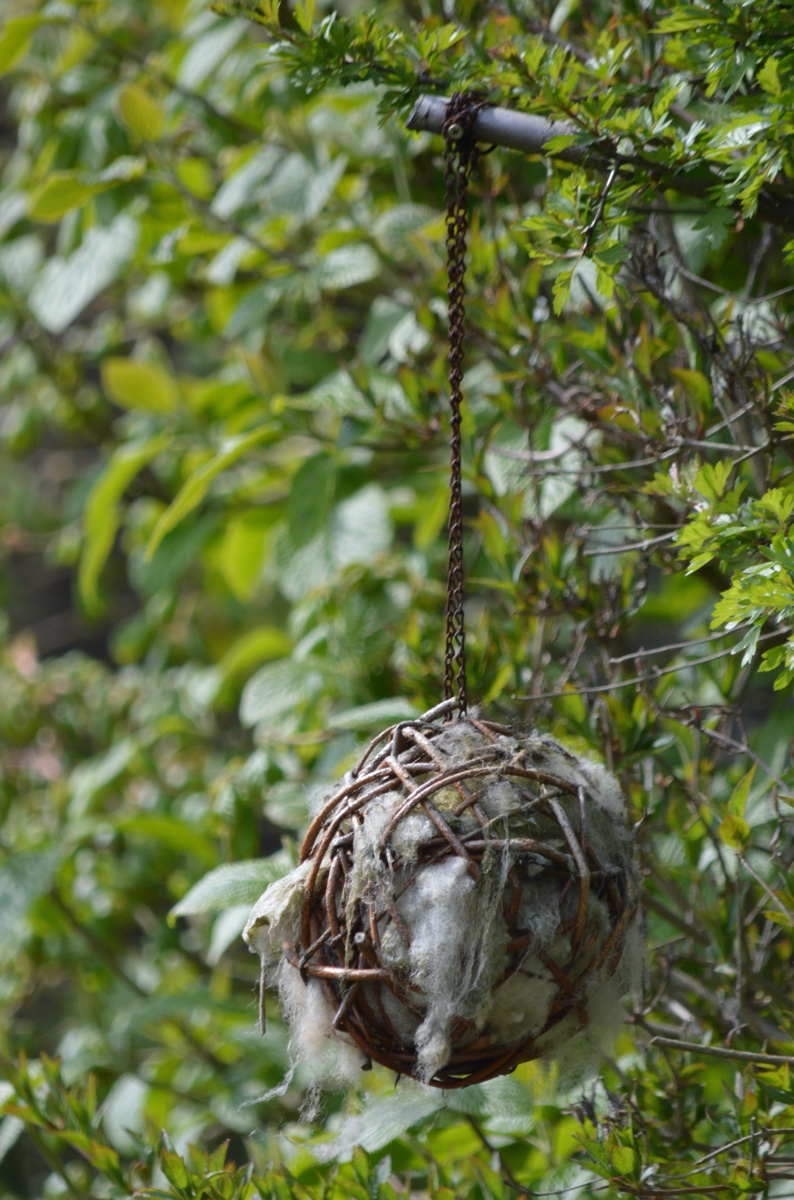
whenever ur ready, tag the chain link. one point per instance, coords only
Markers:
(460, 157)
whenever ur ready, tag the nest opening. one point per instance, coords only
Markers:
(465, 901)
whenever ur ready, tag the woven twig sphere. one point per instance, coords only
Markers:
(465, 901)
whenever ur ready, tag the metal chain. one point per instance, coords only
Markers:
(460, 157)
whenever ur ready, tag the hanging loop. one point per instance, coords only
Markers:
(460, 157)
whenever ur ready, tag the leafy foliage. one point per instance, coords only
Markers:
(223, 498)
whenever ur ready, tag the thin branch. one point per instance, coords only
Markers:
(748, 1137)
(762, 883)
(585, 469)
(748, 1056)
(604, 549)
(709, 637)
(676, 919)
(574, 1187)
(602, 203)
(651, 677)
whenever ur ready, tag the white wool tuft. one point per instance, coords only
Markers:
(457, 951)
(331, 1060)
(275, 918)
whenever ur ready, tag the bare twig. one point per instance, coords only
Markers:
(747, 1056)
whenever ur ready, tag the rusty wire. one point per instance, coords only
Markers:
(460, 158)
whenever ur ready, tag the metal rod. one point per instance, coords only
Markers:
(496, 126)
(524, 131)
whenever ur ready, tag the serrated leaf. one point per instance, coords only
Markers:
(232, 884)
(780, 502)
(769, 78)
(195, 489)
(174, 1168)
(625, 1160)
(715, 223)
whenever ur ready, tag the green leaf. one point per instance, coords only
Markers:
(23, 880)
(66, 286)
(62, 191)
(101, 516)
(694, 384)
(253, 648)
(712, 479)
(779, 918)
(232, 884)
(769, 78)
(207, 51)
(195, 489)
(144, 385)
(716, 223)
(168, 831)
(174, 1167)
(738, 800)
(779, 502)
(361, 527)
(387, 1117)
(304, 11)
(90, 777)
(337, 394)
(141, 113)
(65, 190)
(347, 267)
(686, 17)
(277, 690)
(625, 1161)
(243, 552)
(378, 715)
(310, 498)
(734, 832)
(15, 39)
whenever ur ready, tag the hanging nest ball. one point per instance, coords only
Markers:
(465, 901)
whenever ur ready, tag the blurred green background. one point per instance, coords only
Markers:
(223, 502)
